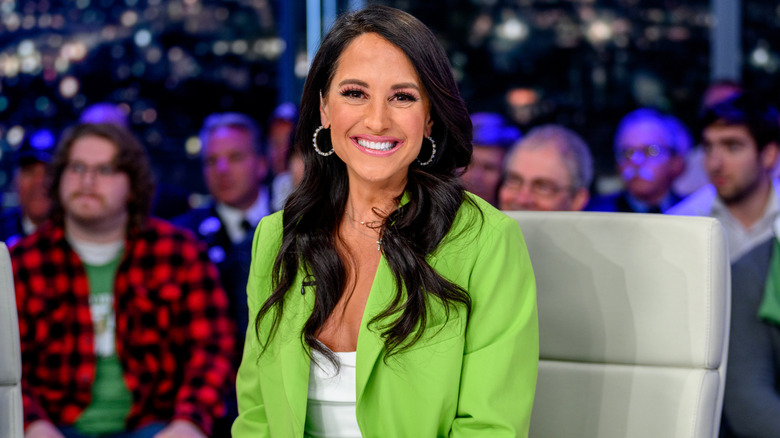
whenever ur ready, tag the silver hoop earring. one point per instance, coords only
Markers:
(314, 143)
(433, 153)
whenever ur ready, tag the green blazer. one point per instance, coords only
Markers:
(462, 379)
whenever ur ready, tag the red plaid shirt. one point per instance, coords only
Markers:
(173, 336)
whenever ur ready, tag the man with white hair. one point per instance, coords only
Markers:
(550, 169)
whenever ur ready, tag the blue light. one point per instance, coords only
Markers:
(42, 139)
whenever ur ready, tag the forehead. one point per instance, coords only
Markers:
(719, 132)
(643, 132)
(487, 153)
(544, 162)
(360, 58)
(228, 138)
(93, 149)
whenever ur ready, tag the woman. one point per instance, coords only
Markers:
(388, 301)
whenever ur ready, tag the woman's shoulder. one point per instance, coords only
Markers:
(476, 212)
(478, 224)
(268, 235)
(273, 220)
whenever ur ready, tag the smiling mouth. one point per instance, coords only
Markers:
(383, 146)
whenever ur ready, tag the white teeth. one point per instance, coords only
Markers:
(376, 145)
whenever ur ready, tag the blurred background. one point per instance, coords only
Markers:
(580, 63)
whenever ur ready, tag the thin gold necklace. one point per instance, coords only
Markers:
(352, 223)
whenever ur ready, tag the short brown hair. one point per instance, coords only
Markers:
(130, 159)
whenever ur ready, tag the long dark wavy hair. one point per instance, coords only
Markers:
(313, 212)
(130, 158)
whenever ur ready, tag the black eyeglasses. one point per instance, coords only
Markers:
(100, 170)
(543, 188)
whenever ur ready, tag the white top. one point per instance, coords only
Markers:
(705, 202)
(330, 410)
(93, 253)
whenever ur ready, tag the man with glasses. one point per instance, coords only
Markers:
(124, 327)
(740, 139)
(550, 169)
(649, 158)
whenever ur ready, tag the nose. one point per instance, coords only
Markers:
(637, 158)
(89, 177)
(713, 159)
(377, 116)
(222, 164)
(525, 199)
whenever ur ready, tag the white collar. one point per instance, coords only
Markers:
(96, 254)
(28, 226)
(232, 217)
(770, 209)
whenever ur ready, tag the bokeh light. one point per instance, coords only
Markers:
(69, 86)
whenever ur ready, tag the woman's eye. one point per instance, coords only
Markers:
(356, 94)
(405, 97)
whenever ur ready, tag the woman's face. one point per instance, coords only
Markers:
(377, 112)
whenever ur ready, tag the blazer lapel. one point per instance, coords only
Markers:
(370, 344)
(294, 361)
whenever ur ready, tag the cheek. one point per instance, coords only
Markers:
(122, 190)
(709, 161)
(561, 203)
(342, 116)
(24, 184)
(505, 195)
(66, 186)
(656, 168)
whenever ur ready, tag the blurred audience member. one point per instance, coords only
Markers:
(740, 140)
(649, 157)
(123, 324)
(551, 168)
(281, 128)
(31, 183)
(694, 176)
(751, 403)
(233, 168)
(169, 200)
(296, 167)
(493, 136)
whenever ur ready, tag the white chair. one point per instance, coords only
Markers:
(633, 320)
(10, 355)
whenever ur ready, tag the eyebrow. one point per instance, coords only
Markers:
(364, 84)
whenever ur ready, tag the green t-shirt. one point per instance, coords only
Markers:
(111, 400)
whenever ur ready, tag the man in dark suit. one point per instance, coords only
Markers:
(234, 167)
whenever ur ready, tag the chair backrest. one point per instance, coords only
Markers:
(633, 324)
(10, 355)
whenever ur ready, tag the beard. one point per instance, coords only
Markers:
(738, 192)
